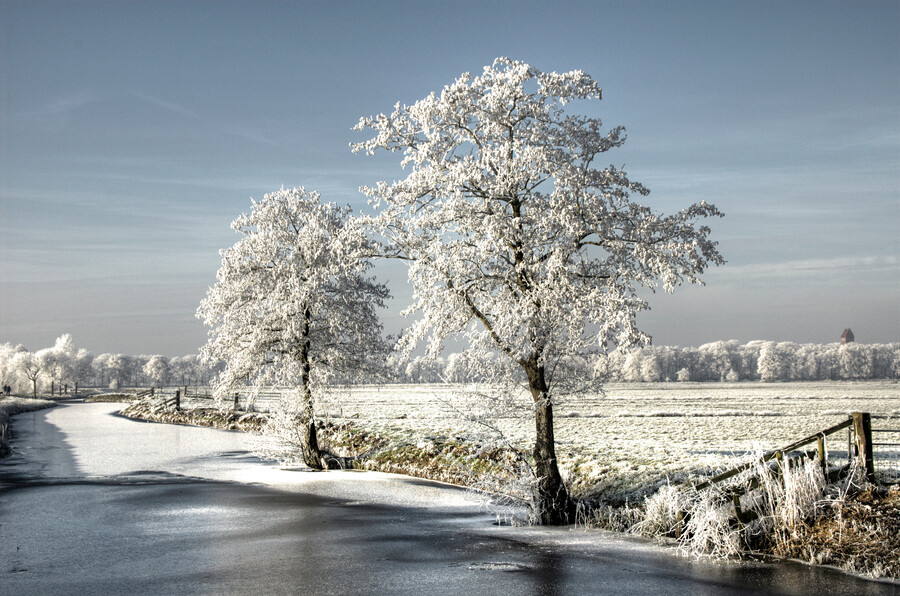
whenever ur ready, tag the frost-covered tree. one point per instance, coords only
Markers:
(157, 369)
(855, 361)
(631, 368)
(518, 239)
(720, 358)
(110, 368)
(65, 363)
(8, 371)
(185, 370)
(651, 368)
(30, 366)
(425, 370)
(292, 304)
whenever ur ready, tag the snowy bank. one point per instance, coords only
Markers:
(10, 406)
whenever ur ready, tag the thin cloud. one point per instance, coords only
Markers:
(64, 105)
(169, 106)
(814, 267)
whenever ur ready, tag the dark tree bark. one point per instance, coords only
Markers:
(553, 505)
(312, 455)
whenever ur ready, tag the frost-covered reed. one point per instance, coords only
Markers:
(774, 498)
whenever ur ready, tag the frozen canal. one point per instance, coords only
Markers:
(91, 503)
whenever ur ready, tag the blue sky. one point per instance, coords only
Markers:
(132, 133)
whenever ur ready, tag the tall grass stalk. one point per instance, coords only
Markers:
(780, 497)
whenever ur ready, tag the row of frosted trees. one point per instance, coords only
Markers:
(64, 366)
(766, 361)
(728, 361)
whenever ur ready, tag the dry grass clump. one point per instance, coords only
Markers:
(859, 534)
(774, 500)
(795, 514)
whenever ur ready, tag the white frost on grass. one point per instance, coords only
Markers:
(12, 405)
(638, 436)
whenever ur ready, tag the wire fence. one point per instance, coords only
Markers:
(886, 449)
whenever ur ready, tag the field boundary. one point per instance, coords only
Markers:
(860, 452)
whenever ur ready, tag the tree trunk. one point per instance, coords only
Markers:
(552, 503)
(312, 456)
(311, 453)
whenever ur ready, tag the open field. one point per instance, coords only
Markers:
(638, 435)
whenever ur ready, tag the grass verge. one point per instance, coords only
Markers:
(10, 406)
(242, 421)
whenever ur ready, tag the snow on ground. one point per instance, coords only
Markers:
(87, 441)
(10, 406)
(643, 434)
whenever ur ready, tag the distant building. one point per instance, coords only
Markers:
(847, 336)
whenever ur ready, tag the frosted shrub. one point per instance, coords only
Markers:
(661, 512)
(782, 497)
(617, 519)
(708, 530)
(786, 497)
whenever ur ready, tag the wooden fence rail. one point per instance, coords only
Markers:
(860, 447)
(818, 438)
(183, 397)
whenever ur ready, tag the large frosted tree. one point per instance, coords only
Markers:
(293, 304)
(517, 239)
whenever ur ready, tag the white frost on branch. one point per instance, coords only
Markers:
(509, 223)
(293, 305)
(518, 242)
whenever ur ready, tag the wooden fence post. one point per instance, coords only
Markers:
(177, 400)
(823, 457)
(862, 428)
(236, 397)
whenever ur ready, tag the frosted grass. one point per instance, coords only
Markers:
(637, 437)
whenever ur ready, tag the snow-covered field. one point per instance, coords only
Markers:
(637, 435)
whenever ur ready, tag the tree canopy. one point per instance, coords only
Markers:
(293, 305)
(517, 239)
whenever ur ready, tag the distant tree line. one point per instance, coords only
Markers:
(63, 366)
(766, 361)
(726, 361)
(722, 361)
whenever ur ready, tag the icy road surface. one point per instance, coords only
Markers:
(91, 503)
